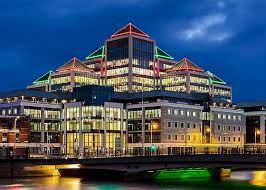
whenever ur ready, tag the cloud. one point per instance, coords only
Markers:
(209, 28)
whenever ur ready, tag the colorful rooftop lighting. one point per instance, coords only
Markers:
(129, 29)
(185, 65)
(74, 65)
(99, 53)
(159, 53)
(214, 79)
(46, 78)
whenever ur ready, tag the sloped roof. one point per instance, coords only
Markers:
(214, 79)
(159, 53)
(44, 78)
(185, 65)
(74, 65)
(99, 53)
(129, 29)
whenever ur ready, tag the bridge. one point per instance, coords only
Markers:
(132, 165)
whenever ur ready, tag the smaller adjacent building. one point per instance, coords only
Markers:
(72, 74)
(255, 113)
(14, 135)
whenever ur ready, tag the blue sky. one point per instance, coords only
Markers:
(226, 37)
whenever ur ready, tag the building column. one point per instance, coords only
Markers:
(65, 130)
(130, 55)
(122, 127)
(72, 82)
(262, 129)
(188, 82)
(81, 147)
(104, 128)
(42, 129)
(143, 129)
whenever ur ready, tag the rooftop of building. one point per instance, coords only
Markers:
(35, 93)
(252, 104)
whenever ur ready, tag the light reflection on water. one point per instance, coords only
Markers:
(245, 179)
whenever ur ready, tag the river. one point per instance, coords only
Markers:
(239, 180)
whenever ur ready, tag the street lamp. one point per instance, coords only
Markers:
(257, 132)
(155, 127)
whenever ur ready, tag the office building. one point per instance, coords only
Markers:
(255, 113)
(130, 61)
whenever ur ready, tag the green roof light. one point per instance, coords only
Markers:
(99, 53)
(159, 53)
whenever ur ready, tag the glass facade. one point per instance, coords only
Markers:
(117, 49)
(100, 126)
(142, 65)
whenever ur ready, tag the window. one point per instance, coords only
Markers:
(229, 128)
(188, 137)
(219, 138)
(239, 139)
(9, 112)
(239, 129)
(229, 117)
(219, 116)
(182, 137)
(234, 128)
(188, 125)
(176, 112)
(181, 112)
(176, 137)
(229, 139)
(169, 137)
(224, 139)
(182, 125)
(169, 124)
(239, 117)
(188, 113)
(15, 111)
(219, 127)
(194, 114)
(176, 124)
(234, 139)
(169, 111)
(3, 112)
(234, 117)
(194, 125)
(224, 128)
(224, 116)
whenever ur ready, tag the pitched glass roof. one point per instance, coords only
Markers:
(44, 78)
(214, 79)
(159, 53)
(129, 29)
(99, 53)
(185, 65)
(74, 65)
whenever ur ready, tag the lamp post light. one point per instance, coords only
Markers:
(257, 132)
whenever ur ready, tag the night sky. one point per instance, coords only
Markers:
(226, 37)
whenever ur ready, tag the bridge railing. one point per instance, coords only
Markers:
(148, 151)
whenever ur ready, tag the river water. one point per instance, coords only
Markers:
(239, 180)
